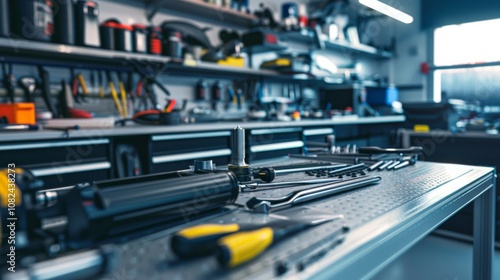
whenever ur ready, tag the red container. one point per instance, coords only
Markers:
(155, 39)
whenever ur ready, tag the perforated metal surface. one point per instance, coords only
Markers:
(151, 257)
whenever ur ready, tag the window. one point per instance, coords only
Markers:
(467, 60)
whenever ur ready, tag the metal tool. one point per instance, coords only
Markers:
(375, 165)
(268, 174)
(394, 164)
(347, 169)
(402, 164)
(385, 165)
(279, 184)
(238, 165)
(267, 205)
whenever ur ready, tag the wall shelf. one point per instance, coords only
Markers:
(199, 8)
(20, 51)
(342, 47)
(51, 54)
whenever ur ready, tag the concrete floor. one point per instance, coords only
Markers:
(435, 258)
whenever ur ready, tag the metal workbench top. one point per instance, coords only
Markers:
(150, 129)
(385, 220)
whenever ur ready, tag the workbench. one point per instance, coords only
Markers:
(384, 220)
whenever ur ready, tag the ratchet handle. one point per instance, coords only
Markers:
(378, 150)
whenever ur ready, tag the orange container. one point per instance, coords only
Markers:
(18, 113)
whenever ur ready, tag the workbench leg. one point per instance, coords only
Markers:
(484, 235)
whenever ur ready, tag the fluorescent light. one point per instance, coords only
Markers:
(387, 10)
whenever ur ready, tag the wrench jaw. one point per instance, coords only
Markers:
(259, 206)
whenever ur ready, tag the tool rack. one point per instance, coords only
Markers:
(384, 220)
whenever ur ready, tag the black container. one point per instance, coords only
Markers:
(87, 24)
(172, 118)
(139, 38)
(32, 19)
(64, 19)
(155, 39)
(123, 37)
(4, 18)
(107, 34)
(172, 46)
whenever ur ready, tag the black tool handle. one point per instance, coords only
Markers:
(378, 150)
(44, 75)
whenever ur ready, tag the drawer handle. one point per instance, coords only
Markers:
(192, 156)
(276, 146)
(53, 144)
(57, 170)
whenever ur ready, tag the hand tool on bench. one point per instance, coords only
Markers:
(268, 174)
(235, 244)
(267, 205)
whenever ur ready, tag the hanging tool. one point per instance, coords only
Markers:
(201, 90)
(67, 104)
(83, 83)
(9, 81)
(28, 84)
(101, 84)
(235, 244)
(267, 205)
(123, 93)
(216, 94)
(45, 85)
(170, 105)
(114, 94)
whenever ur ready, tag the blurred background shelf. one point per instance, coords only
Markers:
(199, 8)
(305, 37)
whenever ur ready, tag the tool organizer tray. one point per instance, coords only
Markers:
(411, 200)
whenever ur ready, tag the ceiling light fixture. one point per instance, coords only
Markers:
(387, 10)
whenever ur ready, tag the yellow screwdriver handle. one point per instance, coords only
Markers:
(83, 84)
(124, 99)
(101, 92)
(207, 229)
(115, 98)
(238, 248)
(200, 240)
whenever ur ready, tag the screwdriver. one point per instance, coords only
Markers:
(229, 241)
(238, 248)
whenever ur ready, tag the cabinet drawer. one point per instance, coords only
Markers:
(269, 143)
(178, 151)
(59, 175)
(190, 142)
(47, 153)
(63, 162)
